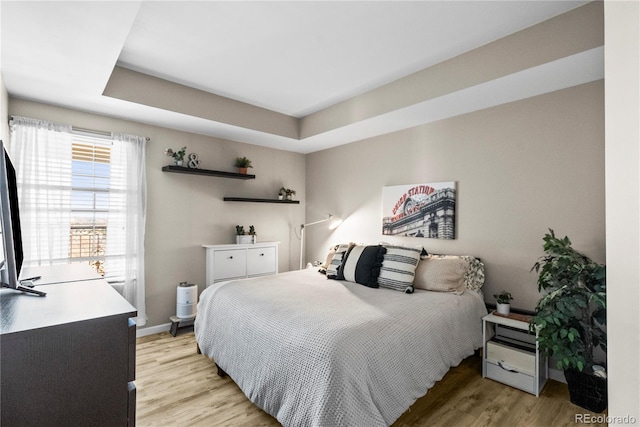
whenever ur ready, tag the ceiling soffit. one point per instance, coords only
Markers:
(561, 52)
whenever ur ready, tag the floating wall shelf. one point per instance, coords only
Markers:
(251, 199)
(193, 171)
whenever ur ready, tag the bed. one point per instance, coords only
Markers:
(317, 352)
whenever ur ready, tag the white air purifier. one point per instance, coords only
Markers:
(187, 300)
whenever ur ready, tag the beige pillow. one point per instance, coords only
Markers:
(441, 274)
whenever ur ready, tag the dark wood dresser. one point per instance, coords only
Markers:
(67, 359)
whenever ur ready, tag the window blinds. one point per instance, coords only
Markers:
(90, 177)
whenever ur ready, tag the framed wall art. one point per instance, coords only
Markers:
(420, 210)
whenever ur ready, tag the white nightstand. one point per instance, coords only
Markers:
(511, 354)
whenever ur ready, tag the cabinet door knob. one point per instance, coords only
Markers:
(231, 257)
(261, 254)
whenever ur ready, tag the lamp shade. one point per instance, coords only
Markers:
(334, 223)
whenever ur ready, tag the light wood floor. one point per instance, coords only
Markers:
(178, 387)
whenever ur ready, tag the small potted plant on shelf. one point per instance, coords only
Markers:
(503, 302)
(252, 233)
(289, 193)
(178, 156)
(281, 193)
(242, 163)
(571, 319)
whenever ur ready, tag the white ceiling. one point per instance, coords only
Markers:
(290, 57)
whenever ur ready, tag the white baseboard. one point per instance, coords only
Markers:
(143, 332)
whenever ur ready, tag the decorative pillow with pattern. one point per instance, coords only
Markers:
(336, 260)
(398, 268)
(362, 265)
(442, 274)
(474, 279)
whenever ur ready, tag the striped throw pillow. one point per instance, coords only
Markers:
(398, 268)
(336, 261)
(362, 265)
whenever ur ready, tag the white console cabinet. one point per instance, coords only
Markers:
(233, 261)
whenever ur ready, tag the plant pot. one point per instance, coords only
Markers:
(242, 171)
(586, 390)
(503, 309)
(280, 197)
(245, 239)
(178, 162)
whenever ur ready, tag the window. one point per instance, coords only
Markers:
(83, 200)
(90, 177)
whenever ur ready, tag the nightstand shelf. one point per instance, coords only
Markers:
(511, 354)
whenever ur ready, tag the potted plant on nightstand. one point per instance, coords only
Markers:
(242, 163)
(503, 302)
(571, 319)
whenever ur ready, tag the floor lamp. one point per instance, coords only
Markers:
(332, 225)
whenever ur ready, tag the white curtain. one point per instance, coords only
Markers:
(127, 212)
(41, 153)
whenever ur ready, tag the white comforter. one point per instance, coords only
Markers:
(318, 352)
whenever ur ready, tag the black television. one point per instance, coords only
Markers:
(12, 254)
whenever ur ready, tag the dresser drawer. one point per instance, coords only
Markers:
(132, 350)
(230, 264)
(261, 261)
(131, 404)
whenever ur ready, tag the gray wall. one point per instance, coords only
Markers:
(184, 211)
(520, 169)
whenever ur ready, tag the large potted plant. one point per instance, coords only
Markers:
(570, 319)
